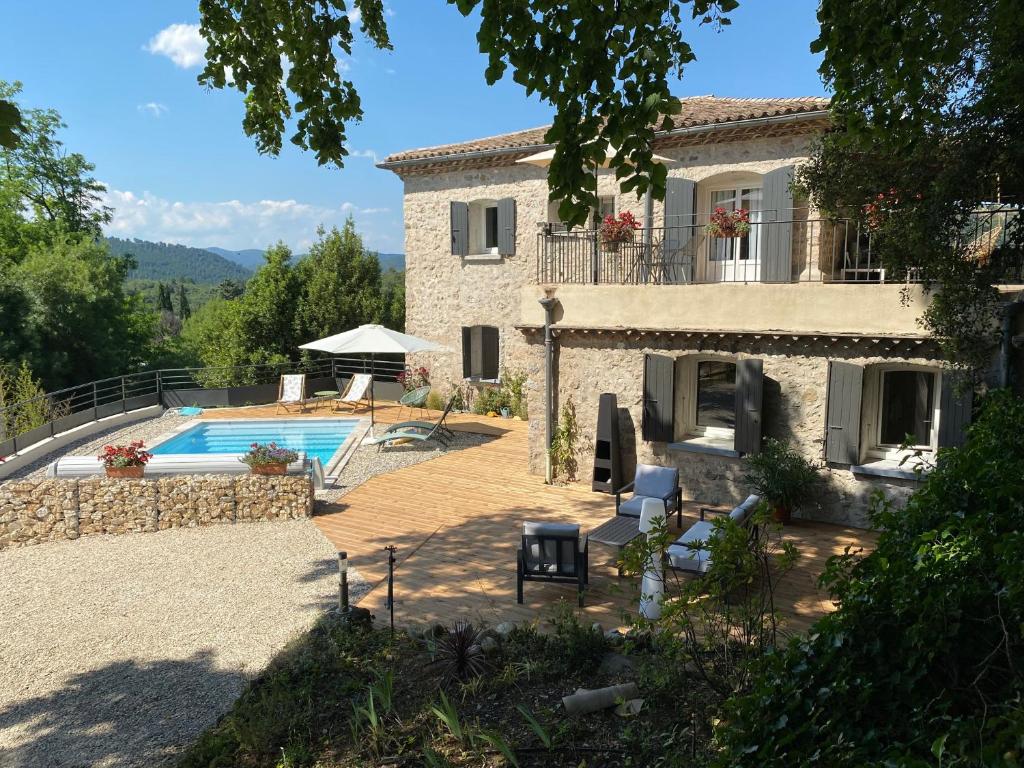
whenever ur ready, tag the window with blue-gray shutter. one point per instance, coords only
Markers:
(777, 228)
(680, 224)
(956, 402)
(480, 352)
(657, 421)
(460, 228)
(749, 395)
(842, 412)
(507, 227)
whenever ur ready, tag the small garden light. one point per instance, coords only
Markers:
(343, 582)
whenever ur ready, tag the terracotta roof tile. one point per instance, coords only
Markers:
(696, 111)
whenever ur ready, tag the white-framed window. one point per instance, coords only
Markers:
(483, 227)
(706, 398)
(737, 258)
(901, 407)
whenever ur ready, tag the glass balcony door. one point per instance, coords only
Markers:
(736, 259)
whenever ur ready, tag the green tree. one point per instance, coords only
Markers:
(10, 124)
(929, 128)
(184, 310)
(164, 298)
(340, 285)
(230, 289)
(923, 661)
(603, 66)
(57, 186)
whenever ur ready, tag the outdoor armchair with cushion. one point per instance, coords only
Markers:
(552, 552)
(652, 482)
(687, 553)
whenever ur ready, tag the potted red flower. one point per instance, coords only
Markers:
(125, 460)
(723, 223)
(616, 231)
(268, 459)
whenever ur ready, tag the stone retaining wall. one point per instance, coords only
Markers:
(34, 511)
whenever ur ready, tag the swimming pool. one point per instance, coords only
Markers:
(317, 437)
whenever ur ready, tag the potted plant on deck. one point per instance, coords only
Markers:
(728, 224)
(782, 477)
(125, 460)
(268, 459)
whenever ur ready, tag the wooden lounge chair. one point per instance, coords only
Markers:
(356, 393)
(552, 552)
(291, 391)
(687, 553)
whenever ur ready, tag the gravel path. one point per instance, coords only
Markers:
(119, 650)
(367, 461)
(145, 430)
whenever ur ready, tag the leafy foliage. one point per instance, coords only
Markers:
(780, 474)
(166, 261)
(565, 447)
(604, 67)
(928, 112)
(459, 654)
(924, 658)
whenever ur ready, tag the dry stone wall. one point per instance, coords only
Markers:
(36, 511)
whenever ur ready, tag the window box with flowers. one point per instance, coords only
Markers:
(618, 230)
(268, 459)
(728, 224)
(125, 460)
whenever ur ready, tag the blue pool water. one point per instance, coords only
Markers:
(317, 437)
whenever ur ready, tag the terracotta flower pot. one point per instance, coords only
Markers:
(135, 471)
(781, 514)
(269, 469)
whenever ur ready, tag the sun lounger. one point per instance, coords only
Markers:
(291, 391)
(356, 393)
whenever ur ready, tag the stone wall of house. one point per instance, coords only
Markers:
(793, 410)
(444, 293)
(35, 511)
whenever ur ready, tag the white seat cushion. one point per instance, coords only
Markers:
(699, 531)
(686, 559)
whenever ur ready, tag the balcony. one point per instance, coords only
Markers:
(795, 250)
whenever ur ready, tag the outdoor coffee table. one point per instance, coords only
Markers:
(323, 396)
(616, 532)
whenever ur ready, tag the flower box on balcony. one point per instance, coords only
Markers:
(728, 224)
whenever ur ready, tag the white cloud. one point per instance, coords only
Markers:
(355, 16)
(388, 71)
(369, 154)
(236, 224)
(181, 43)
(155, 108)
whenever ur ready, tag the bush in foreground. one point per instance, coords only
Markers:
(923, 662)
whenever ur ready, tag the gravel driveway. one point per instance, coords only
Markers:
(119, 650)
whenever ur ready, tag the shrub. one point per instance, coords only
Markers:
(490, 400)
(564, 448)
(923, 660)
(459, 653)
(435, 402)
(781, 475)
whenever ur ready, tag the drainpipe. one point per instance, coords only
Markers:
(549, 303)
(1009, 312)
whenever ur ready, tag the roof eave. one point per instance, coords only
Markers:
(396, 165)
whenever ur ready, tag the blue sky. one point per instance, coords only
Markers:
(179, 168)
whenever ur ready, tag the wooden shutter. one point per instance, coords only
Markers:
(749, 389)
(842, 412)
(659, 399)
(488, 352)
(954, 412)
(507, 226)
(680, 224)
(776, 234)
(460, 228)
(467, 353)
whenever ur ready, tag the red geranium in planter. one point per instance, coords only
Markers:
(615, 231)
(125, 460)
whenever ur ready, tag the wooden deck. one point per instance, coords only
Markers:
(456, 522)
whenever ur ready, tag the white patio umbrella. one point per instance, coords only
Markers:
(373, 340)
(543, 159)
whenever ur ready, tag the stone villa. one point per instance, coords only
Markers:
(709, 343)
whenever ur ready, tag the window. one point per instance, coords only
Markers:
(483, 227)
(716, 396)
(480, 353)
(907, 408)
(491, 228)
(737, 258)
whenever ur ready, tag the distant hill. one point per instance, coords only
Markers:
(395, 261)
(250, 258)
(165, 261)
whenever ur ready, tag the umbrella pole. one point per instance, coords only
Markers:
(373, 368)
